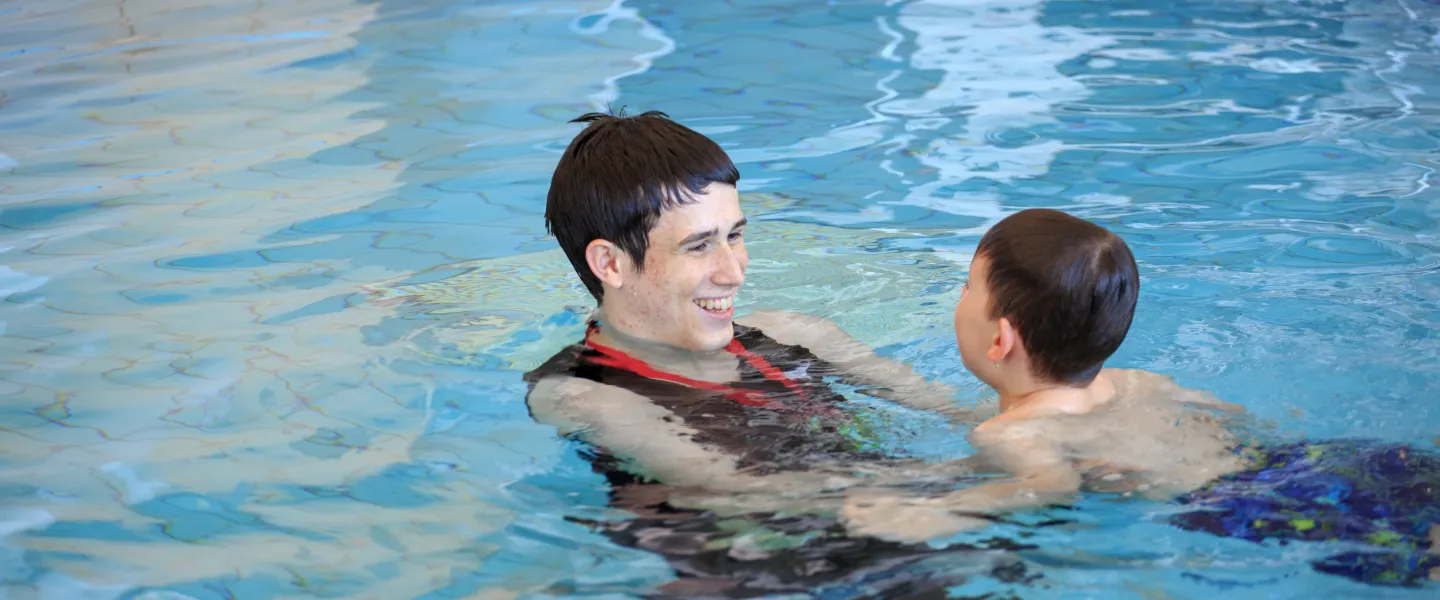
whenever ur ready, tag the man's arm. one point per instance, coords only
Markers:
(660, 444)
(898, 382)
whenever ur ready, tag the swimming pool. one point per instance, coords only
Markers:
(273, 270)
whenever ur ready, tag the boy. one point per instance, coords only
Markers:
(1049, 300)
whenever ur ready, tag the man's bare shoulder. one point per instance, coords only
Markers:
(570, 403)
(549, 394)
(558, 386)
(662, 446)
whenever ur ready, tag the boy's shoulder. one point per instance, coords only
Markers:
(1159, 387)
(1046, 418)
(1122, 376)
(1022, 424)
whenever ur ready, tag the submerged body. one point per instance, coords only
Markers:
(761, 415)
(1129, 432)
(1050, 298)
(752, 499)
(681, 410)
(736, 479)
(1137, 433)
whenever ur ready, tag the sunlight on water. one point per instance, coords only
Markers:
(273, 270)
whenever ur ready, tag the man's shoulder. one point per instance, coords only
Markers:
(560, 400)
(553, 389)
(564, 361)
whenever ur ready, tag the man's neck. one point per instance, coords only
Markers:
(710, 366)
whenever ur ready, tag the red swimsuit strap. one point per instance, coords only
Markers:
(612, 357)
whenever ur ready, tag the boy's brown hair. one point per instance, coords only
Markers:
(1068, 285)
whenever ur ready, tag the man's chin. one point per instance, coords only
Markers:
(713, 339)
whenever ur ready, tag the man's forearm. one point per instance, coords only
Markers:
(898, 382)
(932, 397)
(876, 375)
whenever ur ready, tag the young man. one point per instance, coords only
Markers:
(667, 380)
(691, 410)
(1049, 299)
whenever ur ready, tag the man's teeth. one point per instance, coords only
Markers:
(716, 304)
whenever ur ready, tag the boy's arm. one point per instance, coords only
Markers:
(900, 383)
(1039, 475)
(1039, 472)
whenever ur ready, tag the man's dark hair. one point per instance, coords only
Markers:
(1068, 285)
(618, 175)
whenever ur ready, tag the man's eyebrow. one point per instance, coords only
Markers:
(695, 237)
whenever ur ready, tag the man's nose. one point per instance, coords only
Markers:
(731, 268)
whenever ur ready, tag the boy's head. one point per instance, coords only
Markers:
(1049, 293)
(646, 211)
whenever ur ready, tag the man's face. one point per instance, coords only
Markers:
(695, 264)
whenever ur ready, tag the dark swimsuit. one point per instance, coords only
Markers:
(782, 414)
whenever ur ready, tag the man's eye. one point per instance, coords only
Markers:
(699, 247)
(736, 236)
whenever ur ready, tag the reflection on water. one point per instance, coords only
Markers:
(975, 117)
(272, 270)
(521, 309)
(198, 198)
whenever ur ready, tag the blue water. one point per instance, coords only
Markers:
(272, 270)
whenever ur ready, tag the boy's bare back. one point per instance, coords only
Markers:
(1049, 299)
(1143, 435)
(1150, 436)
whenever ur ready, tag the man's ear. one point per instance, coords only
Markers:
(608, 262)
(1005, 340)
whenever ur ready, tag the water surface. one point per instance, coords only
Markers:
(272, 271)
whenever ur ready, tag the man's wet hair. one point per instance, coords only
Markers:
(1068, 285)
(619, 174)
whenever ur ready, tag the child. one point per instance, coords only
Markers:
(1049, 300)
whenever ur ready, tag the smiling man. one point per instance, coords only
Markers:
(692, 413)
(667, 384)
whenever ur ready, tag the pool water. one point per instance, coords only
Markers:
(272, 270)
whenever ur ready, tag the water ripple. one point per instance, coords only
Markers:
(271, 270)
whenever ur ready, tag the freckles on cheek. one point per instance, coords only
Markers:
(648, 303)
(654, 269)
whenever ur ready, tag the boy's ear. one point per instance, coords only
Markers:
(608, 262)
(1005, 341)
